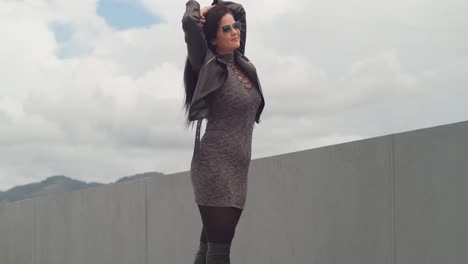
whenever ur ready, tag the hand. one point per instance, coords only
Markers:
(203, 12)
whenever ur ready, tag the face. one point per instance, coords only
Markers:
(227, 42)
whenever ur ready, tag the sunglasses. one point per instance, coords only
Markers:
(228, 28)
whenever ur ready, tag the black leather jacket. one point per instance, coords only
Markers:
(211, 71)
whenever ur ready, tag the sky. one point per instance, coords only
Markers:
(93, 90)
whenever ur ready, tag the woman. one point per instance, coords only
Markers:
(222, 85)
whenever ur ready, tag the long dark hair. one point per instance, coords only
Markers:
(210, 29)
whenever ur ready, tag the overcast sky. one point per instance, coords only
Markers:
(93, 89)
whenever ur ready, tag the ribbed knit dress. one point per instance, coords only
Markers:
(219, 174)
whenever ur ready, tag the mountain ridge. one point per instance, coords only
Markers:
(60, 184)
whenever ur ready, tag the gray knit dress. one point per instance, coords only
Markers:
(219, 173)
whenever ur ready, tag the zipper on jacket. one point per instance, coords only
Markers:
(199, 122)
(206, 63)
(263, 99)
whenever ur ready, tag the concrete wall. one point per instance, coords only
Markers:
(399, 198)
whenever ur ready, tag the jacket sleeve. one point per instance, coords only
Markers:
(239, 15)
(194, 35)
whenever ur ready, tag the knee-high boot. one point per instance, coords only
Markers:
(200, 256)
(218, 253)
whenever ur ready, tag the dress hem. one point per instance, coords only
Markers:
(220, 205)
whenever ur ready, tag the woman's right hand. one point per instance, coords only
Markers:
(203, 12)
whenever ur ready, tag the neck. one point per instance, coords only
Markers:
(224, 52)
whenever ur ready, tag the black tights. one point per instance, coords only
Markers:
(219, 223)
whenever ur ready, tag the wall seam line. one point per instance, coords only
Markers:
(393, 203)
(34, 202)
(146, 224)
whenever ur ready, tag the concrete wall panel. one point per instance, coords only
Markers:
(100, 225)
(392, 199)
(174, 223)
(326, 205)
(431, 191)
(16, 232)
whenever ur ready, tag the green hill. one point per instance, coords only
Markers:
(59, 184)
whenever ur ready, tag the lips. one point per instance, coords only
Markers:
(235, 39)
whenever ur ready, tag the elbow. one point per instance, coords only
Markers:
(236, 8)
(241, 9)
(190, 22)
(191, 13)
(186, 21)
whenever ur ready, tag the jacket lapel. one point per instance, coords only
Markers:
(249, 69)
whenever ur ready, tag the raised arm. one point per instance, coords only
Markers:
(239, 15)
(194, 36)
